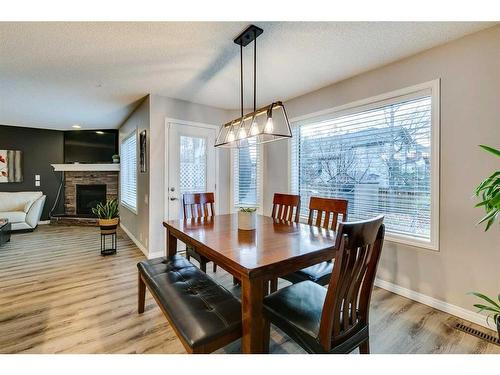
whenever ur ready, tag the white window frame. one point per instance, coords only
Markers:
(122, 203)
(260, 204)
(384, 99)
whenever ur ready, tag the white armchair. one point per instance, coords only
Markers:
(23, 209)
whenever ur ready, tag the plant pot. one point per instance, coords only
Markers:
(116, 161)
(247, 220)
(109, 225)
(498, 328)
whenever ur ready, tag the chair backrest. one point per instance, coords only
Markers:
(331, 208)
(284, 205)
(198, 205)
(346, 307)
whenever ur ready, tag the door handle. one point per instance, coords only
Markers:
(174, 199)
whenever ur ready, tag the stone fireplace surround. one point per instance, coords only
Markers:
(83, 174)
(74, 178)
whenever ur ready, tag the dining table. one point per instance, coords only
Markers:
(255, 257)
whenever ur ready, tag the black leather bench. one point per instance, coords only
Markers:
(204, 315)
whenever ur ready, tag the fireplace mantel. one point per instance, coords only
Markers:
(115, 167)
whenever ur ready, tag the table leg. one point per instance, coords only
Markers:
(171, 243)
(255, 327)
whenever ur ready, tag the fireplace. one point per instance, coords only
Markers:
(87, 197)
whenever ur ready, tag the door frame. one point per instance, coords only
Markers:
(168, 121)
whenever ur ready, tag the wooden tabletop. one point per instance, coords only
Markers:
(272, 245)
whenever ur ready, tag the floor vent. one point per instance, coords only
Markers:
(474, 332)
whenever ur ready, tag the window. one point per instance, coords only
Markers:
(193, 165)
(128, 172)
(381, 156)
(246, 176)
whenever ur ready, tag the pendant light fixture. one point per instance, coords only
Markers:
(266, 124)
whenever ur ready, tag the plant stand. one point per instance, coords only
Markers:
(104, 234)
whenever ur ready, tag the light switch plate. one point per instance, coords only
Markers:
(37, 183)
(37, 177)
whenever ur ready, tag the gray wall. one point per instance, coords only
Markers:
(469, 69)
(138, 223)
(161, 109)
(40, 148)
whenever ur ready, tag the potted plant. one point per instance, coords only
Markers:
(247, 218)
(489, 191)
(107, 214)
(116, 158)
(492, 307)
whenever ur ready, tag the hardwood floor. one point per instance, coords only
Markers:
(58, 295)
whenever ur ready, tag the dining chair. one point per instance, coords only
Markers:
(284, 205)
(323, 213)
(198, 205)
(334, 319)
(283, 209)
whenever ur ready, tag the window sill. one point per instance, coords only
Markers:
(409, 241)
(399, 239)
(128, 207)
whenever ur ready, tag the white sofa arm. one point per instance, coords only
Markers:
(35, 212)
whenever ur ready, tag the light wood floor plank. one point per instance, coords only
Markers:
(58, 295)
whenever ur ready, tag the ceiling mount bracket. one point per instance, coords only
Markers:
(248, 35)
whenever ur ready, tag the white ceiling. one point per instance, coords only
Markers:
(54, 75)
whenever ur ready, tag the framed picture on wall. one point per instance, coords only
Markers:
(143, 160)
(11, 166)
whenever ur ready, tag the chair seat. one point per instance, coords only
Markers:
(319, 273)
(296, 309)
(191, 251)
(201, 310)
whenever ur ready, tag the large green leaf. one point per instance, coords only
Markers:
(486, 298)
(486, 308)
(489, 191)
(491, 149)
(490, 222)
(488, 216)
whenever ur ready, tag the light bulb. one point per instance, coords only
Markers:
(269, 125)
(242, 133)
(230, 136)
(254, 129)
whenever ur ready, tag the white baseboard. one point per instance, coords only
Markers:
(135, 240)
(44, 222)
(457, 311)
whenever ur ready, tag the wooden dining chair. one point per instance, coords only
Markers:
(324, 213)
(198, 205)
(284, 206)
(334, 320)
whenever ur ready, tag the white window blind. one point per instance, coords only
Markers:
(128, 172)
(247, 175)
(376, 157)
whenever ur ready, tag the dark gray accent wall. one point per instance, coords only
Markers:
(40, 148)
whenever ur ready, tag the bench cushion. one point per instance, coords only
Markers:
(199, 308)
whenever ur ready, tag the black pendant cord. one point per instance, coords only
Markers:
(254, 69)
(241, 77)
